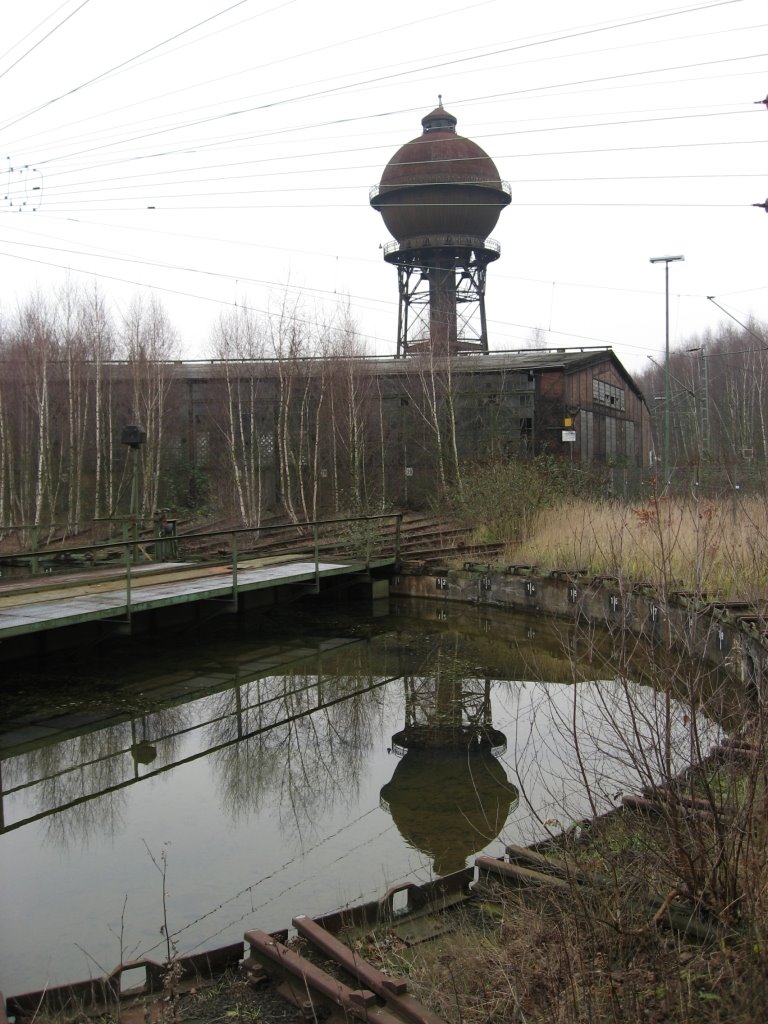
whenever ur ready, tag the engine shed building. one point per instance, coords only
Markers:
(581, 405)
(311, 436)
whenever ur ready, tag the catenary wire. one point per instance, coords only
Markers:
(315, 92)
(360, 118)
(41, 41)
(105, 183)
(129, 60)
(518, 156)
(761, 112)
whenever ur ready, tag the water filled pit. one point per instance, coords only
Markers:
(269, 767)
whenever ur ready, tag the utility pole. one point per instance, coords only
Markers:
(666, 260)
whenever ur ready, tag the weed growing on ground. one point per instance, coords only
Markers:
(538, 957)
(506, 499)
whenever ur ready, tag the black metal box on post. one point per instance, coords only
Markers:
(133, 435)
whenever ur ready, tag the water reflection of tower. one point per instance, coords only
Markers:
(449, 796)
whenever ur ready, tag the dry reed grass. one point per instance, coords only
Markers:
(599, 955)
(717, 547)
(595, 953)
(564, 959)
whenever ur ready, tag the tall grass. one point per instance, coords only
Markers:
(717, 547)
(598, 954)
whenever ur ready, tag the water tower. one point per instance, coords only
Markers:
(440, 196)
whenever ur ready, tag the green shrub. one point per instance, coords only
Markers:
(505, 497)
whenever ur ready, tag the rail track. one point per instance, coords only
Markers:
(320, 991)
(423, 540)
(321, 971)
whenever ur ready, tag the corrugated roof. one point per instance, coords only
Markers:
(524, 360)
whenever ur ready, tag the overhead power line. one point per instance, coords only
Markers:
(736, 320)
(293, 160)
(262, 66)
(122, 64)
(512, 156)
(316, 91)
(41, 41)
(128, 155)
(315, 94)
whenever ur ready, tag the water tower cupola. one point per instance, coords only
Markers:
(440, 196)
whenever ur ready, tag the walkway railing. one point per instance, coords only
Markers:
(358, 539)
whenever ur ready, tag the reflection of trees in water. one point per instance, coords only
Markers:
(102, 815)
(78, 770)
(311, 738)
(575, 749)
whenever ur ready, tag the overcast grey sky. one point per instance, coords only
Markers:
(218, 152)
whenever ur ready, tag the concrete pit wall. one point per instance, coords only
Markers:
(728, 637)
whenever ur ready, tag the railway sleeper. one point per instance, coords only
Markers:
(680, 917)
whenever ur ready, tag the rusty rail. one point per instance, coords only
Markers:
(322, 995)
(394, 991)
(683, 918)
(93, 998)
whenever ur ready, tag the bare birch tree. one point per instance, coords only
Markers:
(289, 344)
(351, 414)
(149, 344)
(431, 390)
(36, 351)
(99, 341)
(238, 340)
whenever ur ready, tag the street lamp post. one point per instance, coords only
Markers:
(666, 260)
(134, 436)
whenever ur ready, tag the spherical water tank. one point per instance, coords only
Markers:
(440, 188)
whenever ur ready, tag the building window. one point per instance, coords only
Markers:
(202, 447)
(607, 394)
(610, 436)
(267, 449)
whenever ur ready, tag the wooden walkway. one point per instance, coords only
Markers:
(43, 605)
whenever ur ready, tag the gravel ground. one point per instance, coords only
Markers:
(233, 1000)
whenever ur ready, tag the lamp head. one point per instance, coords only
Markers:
(133, 435)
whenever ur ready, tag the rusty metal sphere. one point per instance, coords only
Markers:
(440, 187)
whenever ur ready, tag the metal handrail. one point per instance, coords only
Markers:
(489, 183)
(475, 242)
(126, 545)
(120, 543)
